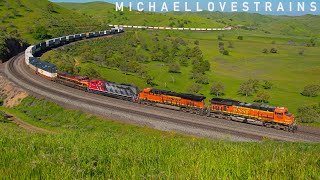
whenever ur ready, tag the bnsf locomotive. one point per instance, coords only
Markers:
(268, 116)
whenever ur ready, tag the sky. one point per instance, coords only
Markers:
(276, 7)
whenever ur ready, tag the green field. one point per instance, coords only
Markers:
(84, 146)
(287, 70)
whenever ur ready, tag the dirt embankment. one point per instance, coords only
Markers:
(10, 94)
(10, 46)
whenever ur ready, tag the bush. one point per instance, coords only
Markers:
(194, 88)
(50, 7)
(311, 90)
(202, 79)
(262, 97)
(301, 52)
(3, 118)
(309, 114)
(230, 44)
(225, 52)
(221, 44)
(196, 42)
(174, 68)
(240, 37)
(184, 61)
(267, 84)
(149, 79)
(217, 89)
(41, 33)
(273, 50)
(265, 51)
(220, 38)
(91, 72)
(312, 42)
(249, 87)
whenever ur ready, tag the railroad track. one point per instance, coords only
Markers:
(18, 72)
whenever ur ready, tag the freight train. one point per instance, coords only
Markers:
(269, 116)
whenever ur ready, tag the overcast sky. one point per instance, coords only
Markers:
(203, 4)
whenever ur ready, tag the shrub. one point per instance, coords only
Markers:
(221, 44)
(240, 37)
(174, 68)
(220, 38)
(196, 42)
(267, 84)
(249, 87)
(225, 52)
(301, 52)
(311, 90)
(273, 50)
(91, 72)
(217, 89)
(194, 88)
(202, 79)
(184, 61)
(265, 51)
(309, 114)
(262, 97)
(50, 7)
(3, 118)
(149, 79)
(41, 33)
(230, 45)
(312, 42)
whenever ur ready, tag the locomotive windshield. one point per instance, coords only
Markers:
(288, 114)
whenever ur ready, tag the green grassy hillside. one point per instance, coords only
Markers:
(307, 25)
(21, 18)
(83, 147)
(105, 12)
(140, 55)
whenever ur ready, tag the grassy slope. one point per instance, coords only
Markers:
(307, 25)
(86, 146)
(105, 12)
(21, 19)
(288, 71)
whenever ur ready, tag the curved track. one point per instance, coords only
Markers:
(159, 118)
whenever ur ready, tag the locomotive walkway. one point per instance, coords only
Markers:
(158, 118)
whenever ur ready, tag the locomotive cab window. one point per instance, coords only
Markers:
(279, 114)
(288, 114)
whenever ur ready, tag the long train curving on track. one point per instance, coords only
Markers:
(159, 118)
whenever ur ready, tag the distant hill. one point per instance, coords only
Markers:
(105, 12)
(21, 19)
(307, 25)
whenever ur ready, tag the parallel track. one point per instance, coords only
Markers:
(17, 71)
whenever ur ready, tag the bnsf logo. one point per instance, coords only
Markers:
(242, 110)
